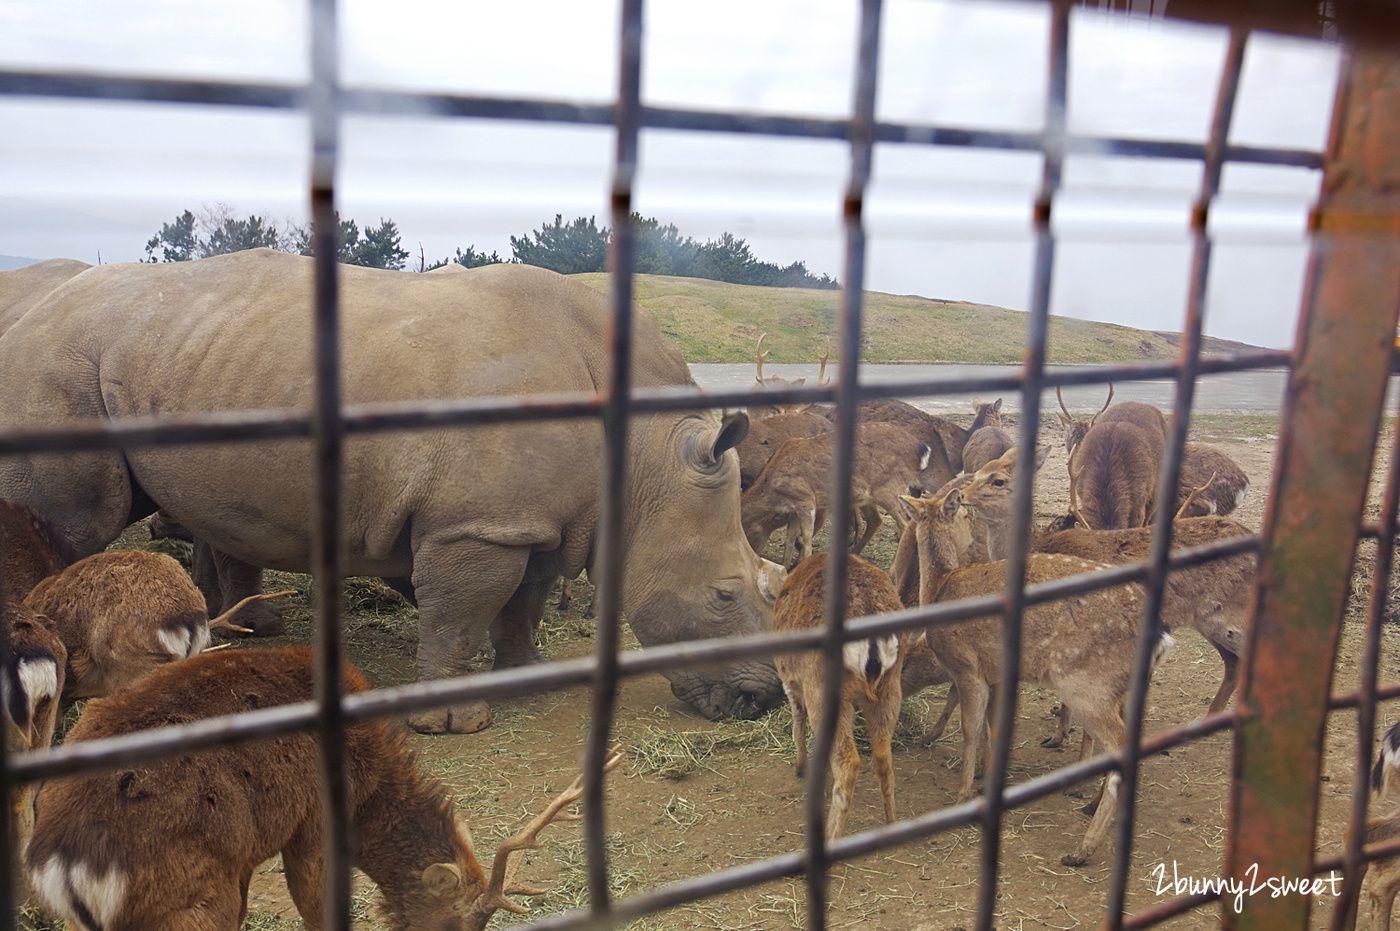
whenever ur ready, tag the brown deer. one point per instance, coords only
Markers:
(777, 383)
(986, 442)
(765, 436)
(31, 683)
(944, 437)
(1082, 646)
(1075, 429)
(794, 489)
(871, 678)
(121, 614)
(1222, 484)
(30, 549)
(172, 845)
(1211, 598)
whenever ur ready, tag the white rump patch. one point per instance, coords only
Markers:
(924, 453)
(1244, 493)
(39, 679)
(102, 895)
(857, 654)
(1164, 646)
(176, 642)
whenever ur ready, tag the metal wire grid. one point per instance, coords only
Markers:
(325, 102)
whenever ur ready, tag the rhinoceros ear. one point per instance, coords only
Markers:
(732, 431)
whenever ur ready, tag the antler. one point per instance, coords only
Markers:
(761, 356)
(821, 375)
(1105, 405)
(1192, 497)
(1068, 416)
(222, 621)
(510, 853)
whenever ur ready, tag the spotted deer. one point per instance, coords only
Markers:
(122, 613)
(768, 434)
(173, 844)
(1082, 646)
(871, 678)
(1211, 598)
(794, 489)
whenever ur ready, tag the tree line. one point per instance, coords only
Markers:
(569, 248)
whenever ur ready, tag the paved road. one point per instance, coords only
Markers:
(1233, 392)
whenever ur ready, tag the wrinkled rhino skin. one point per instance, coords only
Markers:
(482, 519)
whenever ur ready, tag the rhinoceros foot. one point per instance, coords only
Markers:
(261, 617)
(466, 718)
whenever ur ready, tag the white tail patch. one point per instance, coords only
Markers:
(181, 642)
(869, 659)
(38, 678)
(1163, 647)
(72, 890)
(924, 453)
(1244, 493)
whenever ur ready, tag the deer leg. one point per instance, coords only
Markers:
(1227, 683)
(950, 703)
(798, 702)
(974, 695)
(1105, 724)
(880, 719)
(806, 521)
(872, 524)
(845, 766)
(305, 874)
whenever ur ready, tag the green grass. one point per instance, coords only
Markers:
(713, 321)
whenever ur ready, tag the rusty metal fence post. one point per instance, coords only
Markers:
(1314, 516)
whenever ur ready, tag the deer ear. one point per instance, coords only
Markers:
(915, 504)
(1063, 419)
(442, 880)
(1040, 453)
(951, 502)
(996, 407)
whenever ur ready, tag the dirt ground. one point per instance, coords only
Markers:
(696, 796)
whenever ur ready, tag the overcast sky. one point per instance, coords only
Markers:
(80, 178)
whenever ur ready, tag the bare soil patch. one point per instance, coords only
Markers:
(696, 796)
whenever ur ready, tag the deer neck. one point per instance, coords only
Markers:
(937, 560)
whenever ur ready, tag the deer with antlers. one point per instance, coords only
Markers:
(777, 383)
(1082, 646)
(172, 845)
(122, 613)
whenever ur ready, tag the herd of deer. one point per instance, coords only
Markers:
(173, 845)
(176, 842)
(1083, 646)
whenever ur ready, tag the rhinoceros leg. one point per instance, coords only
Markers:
(513, 631)
(224, 581)
(462, 586)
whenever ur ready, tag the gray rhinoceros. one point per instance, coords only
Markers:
(482, 519)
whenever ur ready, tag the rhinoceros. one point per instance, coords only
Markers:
(482, 519)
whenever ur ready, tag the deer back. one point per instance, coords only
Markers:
(1114, 475)
(121, 614)
(801, 605)
(986, 445)
(765, 436)
(1212, 598)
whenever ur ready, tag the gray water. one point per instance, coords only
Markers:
(1259, 391)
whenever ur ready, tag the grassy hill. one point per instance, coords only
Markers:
(718, 322)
